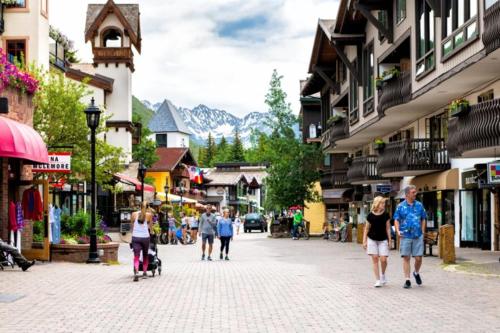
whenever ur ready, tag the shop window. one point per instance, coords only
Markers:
(16, 51)
(400, 10)
(460, 25)
(328, 160)
(353, 98)
(425, 38)
(486, 96)
(161, 140)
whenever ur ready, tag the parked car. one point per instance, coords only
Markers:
(255, 221)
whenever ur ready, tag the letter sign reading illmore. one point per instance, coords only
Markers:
(58, 162)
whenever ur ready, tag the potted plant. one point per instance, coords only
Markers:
(379, 81)
(459, 107)
(333, 119)
(348, 160)
(379, 144)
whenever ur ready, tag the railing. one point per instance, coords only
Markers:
(394, 92)
(326, 138)
(112, 53)
(480, 128)
(334, 179)
(336, 131)
(413, 155)
(363, 169)
(491, 35)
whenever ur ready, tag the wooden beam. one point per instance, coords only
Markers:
(373, 20)
(346, 60)
(324, 76)
(348, 38)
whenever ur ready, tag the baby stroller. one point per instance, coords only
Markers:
(154, 262)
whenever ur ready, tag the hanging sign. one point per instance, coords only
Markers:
(58, 162)
(494, 172)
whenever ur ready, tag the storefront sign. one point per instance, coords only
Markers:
(58, 162)
(469, 179)
(494, 173)
(384, 188)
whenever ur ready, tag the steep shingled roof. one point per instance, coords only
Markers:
(167, 119)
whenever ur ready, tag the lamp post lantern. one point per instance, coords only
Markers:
(93, 114)
(181, 192)
(142, 175)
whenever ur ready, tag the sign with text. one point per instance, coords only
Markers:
(494, 173)
(58, 162)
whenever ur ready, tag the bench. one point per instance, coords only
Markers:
(430, 239)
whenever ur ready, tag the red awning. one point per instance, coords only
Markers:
(21, 141)
(133, 181)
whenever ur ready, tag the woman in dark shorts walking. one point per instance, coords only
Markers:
(377, 237)
(140, 240)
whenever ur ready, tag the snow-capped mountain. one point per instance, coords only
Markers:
(202, 120)
(151, 106)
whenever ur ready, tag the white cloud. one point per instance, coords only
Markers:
(186, 60)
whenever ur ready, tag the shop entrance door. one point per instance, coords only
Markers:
(475, 226)
(484, 219)
(41, 250)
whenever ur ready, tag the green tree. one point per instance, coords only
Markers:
(237, 150)
(294, 165)
(146, 149)
(223, 151)
(211, 151)
(60, 119)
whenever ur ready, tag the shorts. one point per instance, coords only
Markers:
(205, 237)
(378, 248)
(194, 228)
(172, 229)
(411, 247)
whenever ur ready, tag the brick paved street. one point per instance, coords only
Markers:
(270, 285)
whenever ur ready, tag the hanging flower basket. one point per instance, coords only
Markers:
(379, 145)
(459, 107)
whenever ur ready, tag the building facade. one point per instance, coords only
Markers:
(387, 74)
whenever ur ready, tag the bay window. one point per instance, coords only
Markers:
(426, 58)
(460, 24)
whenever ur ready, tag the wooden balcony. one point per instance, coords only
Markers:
(477, 133)
(413, 157)
(491, 35)
(337, 131)
(334, 179)
(363, 170)
(109, 55)
(394, 92)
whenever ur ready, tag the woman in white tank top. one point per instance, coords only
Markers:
(140, 240)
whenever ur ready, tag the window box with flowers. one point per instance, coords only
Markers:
(459, 107)
(379, 145)
(334, 119)
(13, 77)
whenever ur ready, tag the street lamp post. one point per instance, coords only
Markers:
(142, 175)
(181, 192)
(93, 114)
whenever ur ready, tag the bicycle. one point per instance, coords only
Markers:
(302, 231)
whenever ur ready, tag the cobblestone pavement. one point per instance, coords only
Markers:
(270, 285)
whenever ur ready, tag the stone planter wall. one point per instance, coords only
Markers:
(79, 253)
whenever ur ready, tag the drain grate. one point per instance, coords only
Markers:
(10, 298)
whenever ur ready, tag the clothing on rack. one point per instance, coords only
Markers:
(19, 216)
(55, 225)
(12, 217)
(32, 205)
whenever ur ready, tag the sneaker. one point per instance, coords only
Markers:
(27, 265)
(144, 275)
(221, 257)
(407, 284)
(377, 284)
(227, 258)
(202, 257)
(209, 258)
(417, 277)
(136, 276)
(383, 280)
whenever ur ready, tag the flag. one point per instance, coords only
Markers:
(195, 175)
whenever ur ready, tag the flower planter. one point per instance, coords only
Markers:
(379, 146)
(460, 110)
(79, 253)
(379, 84)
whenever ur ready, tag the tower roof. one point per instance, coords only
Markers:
(167, 119)
(128, 14)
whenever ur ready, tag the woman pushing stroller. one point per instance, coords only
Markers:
(140, 239)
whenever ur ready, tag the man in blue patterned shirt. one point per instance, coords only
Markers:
(409, 219)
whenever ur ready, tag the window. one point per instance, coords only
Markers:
(437, 127)
(161, 140)
(353, 98)
(402, 135)
(486, 96)
(18, 4)
(16, 50)
(327, 162)
(112, 38)
(400, 10)
(312, 131)
(425, 38)
(368, 79)
(382, 18)
(489, 3)
(460, 24)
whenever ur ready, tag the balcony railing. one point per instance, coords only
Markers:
(337, 131)
(111, 54)
(479, 129)
(491, 35)
(395, 92)
(363, 170)
(334, 179)
(413, 157)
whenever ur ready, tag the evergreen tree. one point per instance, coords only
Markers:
(211, 151)
(202, 156)
(237, 150)
(223, 151)
(280, 118)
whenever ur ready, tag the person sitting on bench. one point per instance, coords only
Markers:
(19, 259)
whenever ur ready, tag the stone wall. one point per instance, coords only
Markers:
(80, 253)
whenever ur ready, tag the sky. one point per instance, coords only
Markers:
(220, 53)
